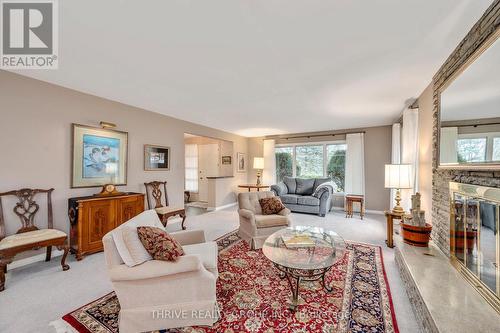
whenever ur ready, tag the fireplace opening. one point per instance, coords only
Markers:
(474, 237)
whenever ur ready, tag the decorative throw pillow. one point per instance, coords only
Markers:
(272, 205)
(159, 244)
(137, 252)
(304, 186)
(290, 183)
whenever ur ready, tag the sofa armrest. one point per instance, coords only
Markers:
(320, 191)
(248, 214)
(284, 212)
(279, 189)
(188, 237)
(155, 268)
(325, 187)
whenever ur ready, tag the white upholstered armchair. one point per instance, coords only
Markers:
(255, 227)
(157, 294)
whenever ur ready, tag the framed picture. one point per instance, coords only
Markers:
(242, 162)
(226, 160)
(99, 157)
(156, 158)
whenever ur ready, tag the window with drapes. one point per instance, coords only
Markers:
(191, 165)
(312, 161)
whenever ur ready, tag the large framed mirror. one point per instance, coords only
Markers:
(469, 112)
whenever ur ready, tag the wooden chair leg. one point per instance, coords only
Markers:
(3, 270)
(48, 256)
(64, 247)
(2, 277)
(183, 215)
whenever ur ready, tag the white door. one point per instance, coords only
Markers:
(208, 166)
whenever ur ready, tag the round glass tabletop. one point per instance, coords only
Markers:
(304, 247)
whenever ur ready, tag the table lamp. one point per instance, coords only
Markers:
(258, 164)
(398, 176)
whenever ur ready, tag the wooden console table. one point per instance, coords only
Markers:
(390, 216)
(92, 217)
(251, 186)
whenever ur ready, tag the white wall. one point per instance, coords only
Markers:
(425, 123)
(35, 143)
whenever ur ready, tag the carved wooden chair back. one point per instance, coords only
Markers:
(154, 189)
(26, 209)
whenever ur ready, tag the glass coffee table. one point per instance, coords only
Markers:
(303, 253)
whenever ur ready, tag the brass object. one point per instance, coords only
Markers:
(105, 124)
(465, 236)
(398, 209)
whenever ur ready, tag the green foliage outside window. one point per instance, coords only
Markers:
(284, 165)
(336, 169)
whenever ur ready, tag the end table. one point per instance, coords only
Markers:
(349, 200)
(391, 216)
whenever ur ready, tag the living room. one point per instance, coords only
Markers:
(320, 166)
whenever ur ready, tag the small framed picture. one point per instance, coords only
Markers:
(226, 160)
(242, 162)
(156, 158)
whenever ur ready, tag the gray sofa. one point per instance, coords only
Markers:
(306, 195)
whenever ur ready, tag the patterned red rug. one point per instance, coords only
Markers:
(253, 298)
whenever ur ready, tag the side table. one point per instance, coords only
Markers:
(255, 186)
(391, 216)
(349, 200)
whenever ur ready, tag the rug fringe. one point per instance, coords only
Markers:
(62, 326)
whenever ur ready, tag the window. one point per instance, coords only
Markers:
(284, 162)
(496, 149)
(312, 161)
(335, 168)
(471, 150)
(191, 161)
(309, 161)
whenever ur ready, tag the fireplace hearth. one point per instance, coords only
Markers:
(474, 237)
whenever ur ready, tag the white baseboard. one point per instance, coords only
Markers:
(33, 259)
(222, 207)
(367, 211)
(377, 212)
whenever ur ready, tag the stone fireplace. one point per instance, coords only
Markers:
(475, 238)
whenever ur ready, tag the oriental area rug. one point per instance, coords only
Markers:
(253, 298)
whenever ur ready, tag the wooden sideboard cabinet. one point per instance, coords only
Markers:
(92, 217)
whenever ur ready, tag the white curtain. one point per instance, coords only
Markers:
(409, 152)
(269, 172)
(448, 145)
(395, 154)
(191, 165)
(355, 164)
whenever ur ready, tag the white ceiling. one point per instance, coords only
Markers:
(475, 94)
(260, 67)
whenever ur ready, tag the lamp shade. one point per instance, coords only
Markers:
(258, 163)
(398, 176)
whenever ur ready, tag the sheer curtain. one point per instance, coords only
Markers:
(191, 165)
(269, 172)
(395, 154)
(409, 152)
(355, 164)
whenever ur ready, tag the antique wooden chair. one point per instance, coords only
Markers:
(29, 237)
(164, 212)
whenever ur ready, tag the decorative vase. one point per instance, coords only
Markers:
(416, 235)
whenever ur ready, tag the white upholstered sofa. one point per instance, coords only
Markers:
(157, 294)
(255, 227)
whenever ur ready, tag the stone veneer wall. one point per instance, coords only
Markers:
(465, 51)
